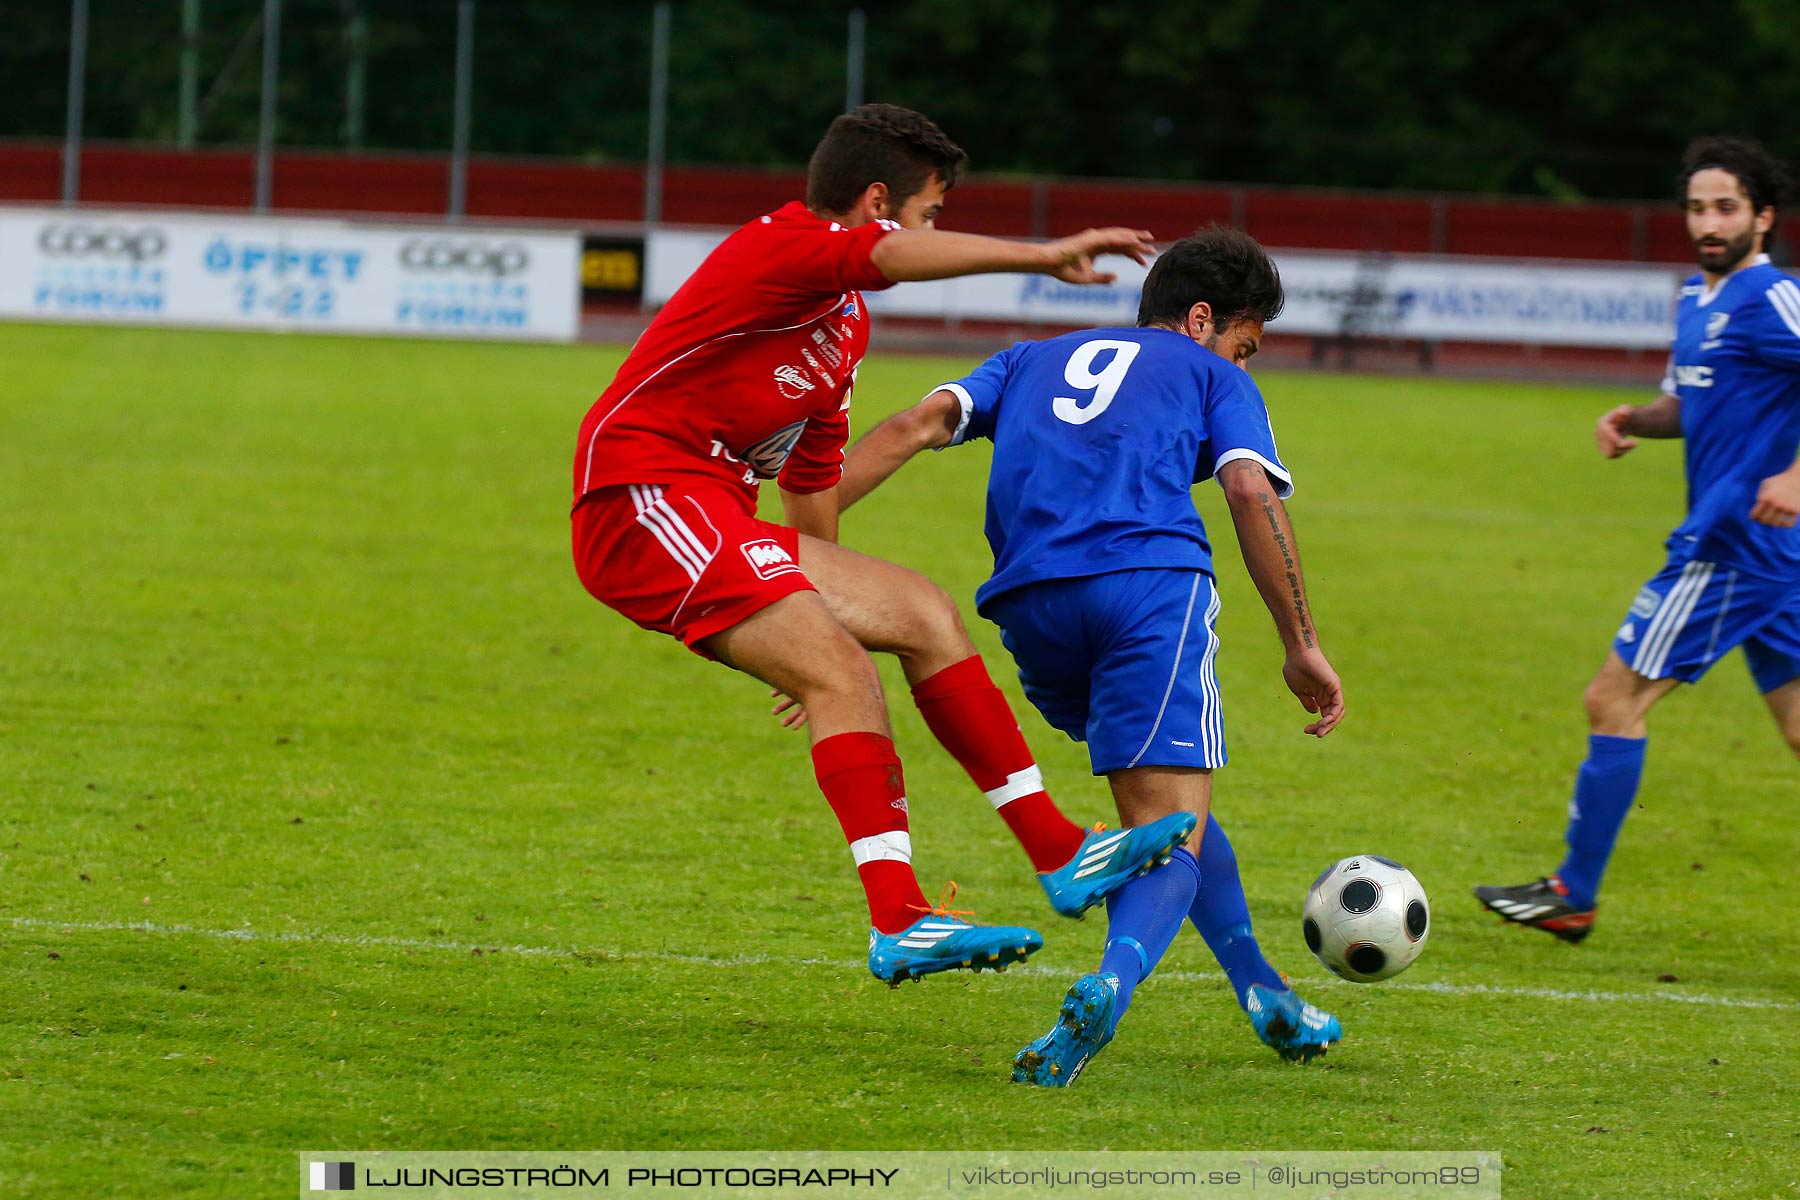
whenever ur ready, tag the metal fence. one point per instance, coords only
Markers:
(412, 76)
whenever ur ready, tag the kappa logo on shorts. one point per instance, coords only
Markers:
(1646, 604)
(767, 558)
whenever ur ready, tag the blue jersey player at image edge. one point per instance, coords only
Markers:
(1732, 578)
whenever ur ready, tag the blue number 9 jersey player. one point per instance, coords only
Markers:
(1733, 573)
(1103, 590)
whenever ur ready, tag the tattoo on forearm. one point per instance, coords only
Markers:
(1296, 594)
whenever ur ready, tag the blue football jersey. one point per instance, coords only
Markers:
(1735, 366)
(1099, 437)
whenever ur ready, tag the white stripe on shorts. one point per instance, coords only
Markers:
(1174, 672)
(655, 515)
(666, 515)
(643, 498)
(1712, 644)
(1212, 721)
(650, 502)
(1671, 617)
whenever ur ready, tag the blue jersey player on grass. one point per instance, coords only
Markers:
(1733, 574)
(1103, 591)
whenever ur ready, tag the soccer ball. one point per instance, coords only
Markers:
(1366, 918)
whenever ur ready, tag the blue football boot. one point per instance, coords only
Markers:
(943, 941)
(1084, 1026)
(1110, 858)
(1289, 1025)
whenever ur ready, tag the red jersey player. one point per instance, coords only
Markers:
(745, 375)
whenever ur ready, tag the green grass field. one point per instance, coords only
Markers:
(333, 812)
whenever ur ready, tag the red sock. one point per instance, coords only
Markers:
(967, 713)
(860, 776)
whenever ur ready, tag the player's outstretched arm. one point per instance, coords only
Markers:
(915, 254)
(927, 425)
(1273, 559)
(1617, 431)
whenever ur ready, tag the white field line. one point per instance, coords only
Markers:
(302, 937)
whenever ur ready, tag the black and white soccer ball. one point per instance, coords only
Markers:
(1366, 918)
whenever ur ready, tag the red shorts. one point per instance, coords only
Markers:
(688, 560)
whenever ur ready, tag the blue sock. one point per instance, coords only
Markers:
(1222, 916)
(1143, 917)
(1604, 789)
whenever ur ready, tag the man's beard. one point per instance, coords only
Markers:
(1722, 260)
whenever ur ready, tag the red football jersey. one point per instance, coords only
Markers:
(745, 374)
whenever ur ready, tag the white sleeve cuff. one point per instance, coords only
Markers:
(1275, 470)
(968, 410)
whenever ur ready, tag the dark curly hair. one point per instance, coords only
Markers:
(1763, 176)
(1225, 267)
(879, 143)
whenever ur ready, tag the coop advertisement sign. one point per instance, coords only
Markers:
(277, 273)
(1412, 297)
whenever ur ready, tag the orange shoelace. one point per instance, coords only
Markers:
(942, 907)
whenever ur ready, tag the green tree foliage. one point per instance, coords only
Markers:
(1542, 97)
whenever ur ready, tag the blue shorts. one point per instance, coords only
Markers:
(1692, 614)
(1123, 662)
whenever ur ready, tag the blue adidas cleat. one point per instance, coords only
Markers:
(1110, 858)
(1289, 1025)
(1083, 1027)
(944, 942)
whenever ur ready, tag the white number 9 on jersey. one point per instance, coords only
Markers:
(1103, 383)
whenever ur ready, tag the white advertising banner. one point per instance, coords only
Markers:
(1481, 300)
(1436, 299)
(279, 273)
